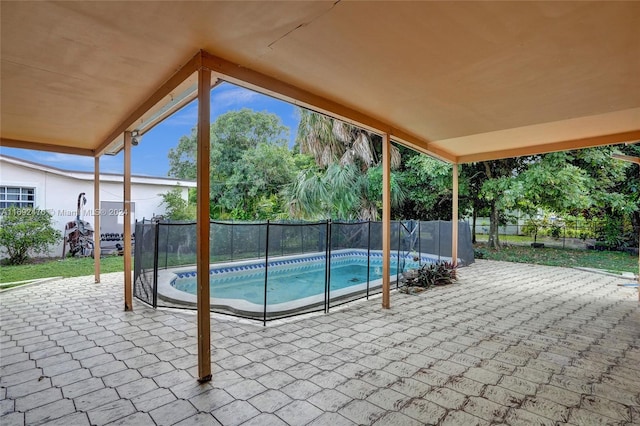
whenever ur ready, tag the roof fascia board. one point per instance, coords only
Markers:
(38, 146)
(34, 166)
(245, 77)
(164, 90)
(104, 177)
(600, 140)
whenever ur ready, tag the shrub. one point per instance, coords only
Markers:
(25, 231)
(439, 273)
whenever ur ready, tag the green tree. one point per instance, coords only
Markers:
(250, 163)
(630, 187)
(176, 207)
(342, 192)
(560, 182)
(497, 189)
(551, 183)
(25, 232)
(250, 192)
(428, 184)
(613, 192)
(342, 183)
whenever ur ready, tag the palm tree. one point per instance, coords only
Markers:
(347, 166)
(332, 141)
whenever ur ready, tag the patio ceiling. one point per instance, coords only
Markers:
(465, 81)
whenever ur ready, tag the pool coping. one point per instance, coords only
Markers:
(167, 292)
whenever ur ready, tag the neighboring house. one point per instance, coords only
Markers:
(27, 184)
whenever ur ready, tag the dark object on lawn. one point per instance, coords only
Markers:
(78, 234)
(537, 245)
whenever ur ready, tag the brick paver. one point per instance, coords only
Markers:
(507, 344)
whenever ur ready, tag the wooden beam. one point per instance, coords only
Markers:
(386, 221)
(126, 239)
(96, 219)
(38, 146)
(270, 86)
(203, 225)
(627, 158)
(430, 150)
(174, 81)
(610, 139)
(454, 217)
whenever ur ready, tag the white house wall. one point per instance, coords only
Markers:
(58, 194)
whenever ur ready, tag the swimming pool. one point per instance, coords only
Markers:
(293, 282)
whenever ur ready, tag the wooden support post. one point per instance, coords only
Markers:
(386, 220)
(454, 217)
(203, 225)
(126, 238)
(96, 218)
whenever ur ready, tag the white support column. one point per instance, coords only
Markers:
(126, 239)
(454, 217)
(386, 221)
(203, 225)
(96, 218)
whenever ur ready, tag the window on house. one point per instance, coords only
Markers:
(17, 196)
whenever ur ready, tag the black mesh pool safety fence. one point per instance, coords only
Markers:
(270, 270)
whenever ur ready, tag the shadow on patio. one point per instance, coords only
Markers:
(509, 343)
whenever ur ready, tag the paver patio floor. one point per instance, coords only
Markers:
(509, 343)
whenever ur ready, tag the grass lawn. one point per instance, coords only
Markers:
(69, 267)
(607, 260)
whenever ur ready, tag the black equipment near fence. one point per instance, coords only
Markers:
(270, 260)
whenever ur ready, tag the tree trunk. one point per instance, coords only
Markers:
(494, 222)
(494, 217)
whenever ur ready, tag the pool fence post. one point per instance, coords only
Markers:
(156, 227)
(439, 247)
(126, 239)
(266, 275)
(419, 244)
(166, 250)
(328, 285)
(368, 254)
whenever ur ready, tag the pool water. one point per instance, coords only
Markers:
(285, 284)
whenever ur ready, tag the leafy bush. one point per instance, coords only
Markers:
(439, 273)
(177, 208)
(478, 253)
(25, 231)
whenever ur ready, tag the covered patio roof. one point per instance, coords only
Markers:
(463, 81)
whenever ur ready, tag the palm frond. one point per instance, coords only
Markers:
(395, 157)
(363, 150)
(341, 131)
(347, 158)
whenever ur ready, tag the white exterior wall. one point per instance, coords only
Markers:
(57, 191)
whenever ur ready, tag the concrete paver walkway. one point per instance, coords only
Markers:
(513, 344)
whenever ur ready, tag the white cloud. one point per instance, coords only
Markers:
(232, 97)
(64, 161)
(188, 116)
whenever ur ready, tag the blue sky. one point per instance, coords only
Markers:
(150, 156)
